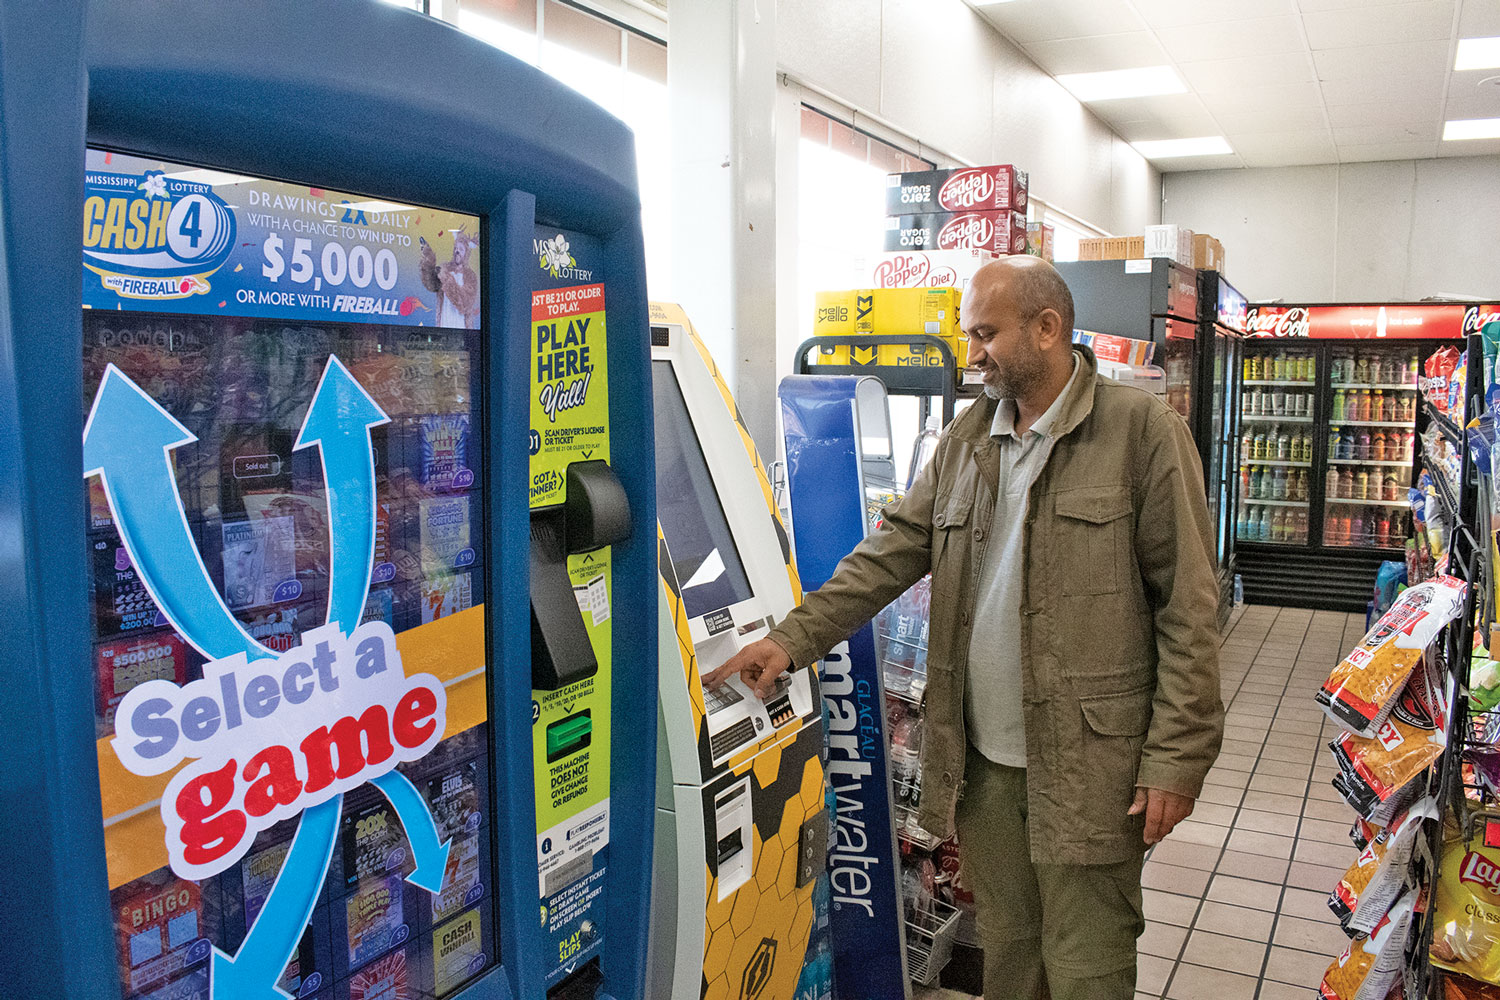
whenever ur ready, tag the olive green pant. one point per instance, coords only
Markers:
(1064, 930)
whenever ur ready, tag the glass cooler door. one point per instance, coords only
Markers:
(1277, 408)
(1371, 435)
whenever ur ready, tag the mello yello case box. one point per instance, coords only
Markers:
(889, 312)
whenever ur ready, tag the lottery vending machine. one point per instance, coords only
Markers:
(742, 828)
(316, 417)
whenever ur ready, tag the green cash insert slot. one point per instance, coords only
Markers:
(569, 735)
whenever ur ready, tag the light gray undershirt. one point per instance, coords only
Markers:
(992, 685)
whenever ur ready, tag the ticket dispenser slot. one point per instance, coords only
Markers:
(596, 513)
(734, 827)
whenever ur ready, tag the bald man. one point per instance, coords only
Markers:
(1072, 705)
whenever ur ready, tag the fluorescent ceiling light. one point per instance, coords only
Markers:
(1160, 149)
(1472, 128)
(1147, 81)
(1477, 53)
(990, 3)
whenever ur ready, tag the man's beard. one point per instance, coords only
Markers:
(1016, 379)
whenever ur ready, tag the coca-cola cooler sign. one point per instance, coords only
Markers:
(1371, 322)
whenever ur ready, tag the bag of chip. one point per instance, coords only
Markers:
(1360, 691)
(1371, 966)
(1466, 924)
(1363, 832)
(1379, 777)
(1456, 987)
(1365, 892)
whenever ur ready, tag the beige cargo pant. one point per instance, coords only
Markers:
(1064, 930)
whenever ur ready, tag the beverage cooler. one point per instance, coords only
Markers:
(1330, 417)
(1150, 299)
(1221, 336)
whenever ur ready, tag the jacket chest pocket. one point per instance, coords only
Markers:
(953, 535)
(1092, 540)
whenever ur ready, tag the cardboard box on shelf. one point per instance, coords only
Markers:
(1208, 253)
(997, 188)
(1171, 241)
(1112, 248)
(928, 268)
(890, 312)
(997, 232)
(1039, 240)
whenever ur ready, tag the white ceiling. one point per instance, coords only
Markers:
(1287, 82)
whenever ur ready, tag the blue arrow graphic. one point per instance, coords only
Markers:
(252, 973)
(128, 440)
(339, 421)
(430, 855)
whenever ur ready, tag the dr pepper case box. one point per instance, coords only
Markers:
(997, 232)
(995, 188)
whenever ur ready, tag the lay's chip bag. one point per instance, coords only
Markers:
(1466, 923)
(1362, 689)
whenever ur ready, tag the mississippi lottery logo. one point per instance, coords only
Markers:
(151, 236)
(267, 734)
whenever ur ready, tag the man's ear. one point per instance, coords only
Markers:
(1050, 330)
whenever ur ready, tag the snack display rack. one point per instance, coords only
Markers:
(1417, 832)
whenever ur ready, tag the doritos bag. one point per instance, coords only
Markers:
(1362, 689)
(1371, 966)
(1365, 892)
(1379, 777)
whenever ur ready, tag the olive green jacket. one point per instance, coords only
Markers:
(1119, 636)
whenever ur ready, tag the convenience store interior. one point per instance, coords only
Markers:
(1276, 217)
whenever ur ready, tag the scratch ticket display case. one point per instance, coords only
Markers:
(346, 385)
(742, 827)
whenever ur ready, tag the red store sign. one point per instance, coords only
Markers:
(1436, 322)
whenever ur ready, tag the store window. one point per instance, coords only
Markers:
(623, 72)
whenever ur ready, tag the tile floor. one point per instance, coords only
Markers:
(1236, 896)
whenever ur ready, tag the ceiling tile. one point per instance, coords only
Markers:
(1240, 73)
(1479, 19)
(1174, 13)
(1267, 145)
(1166, 107)
(1027, 21)
(1289, 158)
(1393, 61)
(1180, 163)
(1273, 120)
(1387, 151)
(1383, 113)
(1180, 128)
(1467, 99)
(1379, 24)
(1262, 35)
(1098, 53)
(1370, 135)
(1312, 6)
(1470, 147)
(1268, 97)
(1379, 86)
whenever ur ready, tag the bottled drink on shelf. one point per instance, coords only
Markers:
(1257, 483)
(1377, 446)
(1259, 450)
(1280, 366)
(1335, 442)
(1278, 484)
(1249, 368)
(1331, 483)
(1245, 481)
(1383, 531)
(1263, 529)
(1242, 524)
(1299, 524)
(1361, 485)
(1346, 445)
(1299, 485)
(1339, 402)
(1377, 404)
(1357, 528)
(1284, 447)
(1365, 403)
(1362, 369)
(1392, 486)
(1346, 483)
(1278, 402)
(1362, 445)
(1336, 370)
(1413, 367)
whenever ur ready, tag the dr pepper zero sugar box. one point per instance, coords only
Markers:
(995, 188)
(997, 232)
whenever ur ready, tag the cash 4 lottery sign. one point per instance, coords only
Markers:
(264, 735)
(166, 237)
